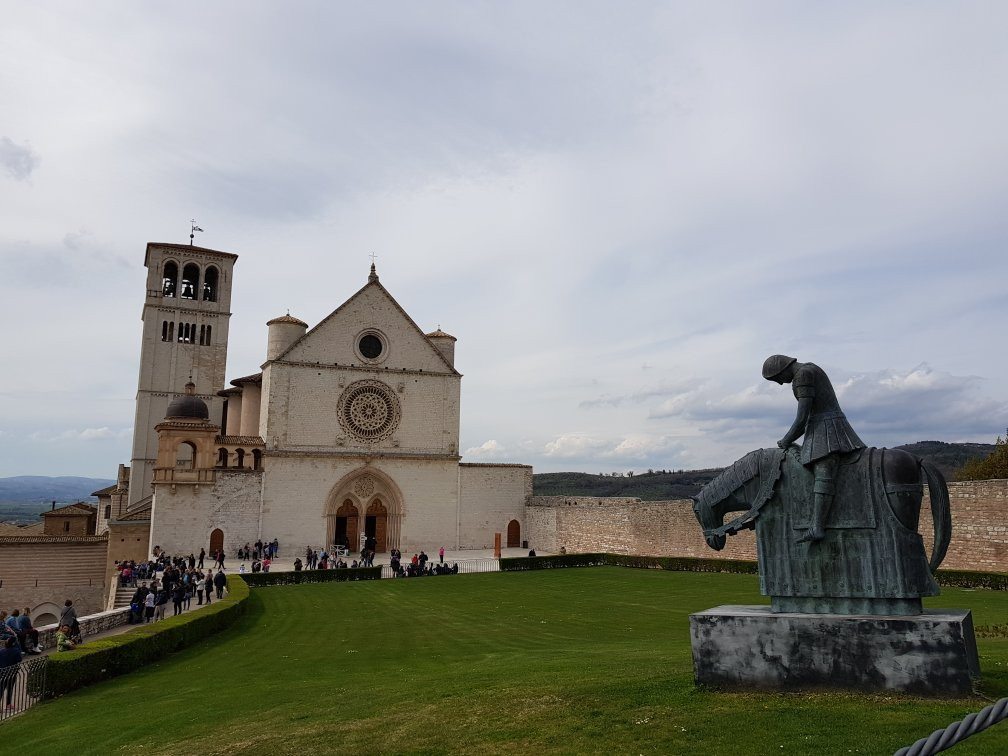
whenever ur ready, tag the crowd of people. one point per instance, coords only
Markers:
(176, 579)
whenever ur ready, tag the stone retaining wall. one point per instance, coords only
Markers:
(669, 528)
(91, 624)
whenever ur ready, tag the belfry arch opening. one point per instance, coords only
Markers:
(190, 281)
(210, 278)
(185, 456)
(169, 279)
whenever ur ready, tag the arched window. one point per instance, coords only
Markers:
(169, 279)
(210, 284)
(208, 335)
(240, 453)
(202, 334)
(171, 331)
(190, 281)
(185, 456)
(256, 459)
(222, 456)
(164, 330)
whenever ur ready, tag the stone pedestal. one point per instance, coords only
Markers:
(751, 647)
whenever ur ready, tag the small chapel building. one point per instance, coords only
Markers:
(348, 432)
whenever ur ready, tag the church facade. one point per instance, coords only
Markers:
(349, 430)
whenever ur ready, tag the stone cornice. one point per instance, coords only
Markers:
(378, 373)
(333, 454)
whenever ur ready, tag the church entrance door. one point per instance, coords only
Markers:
(514, 534)
(216, 541)
(376, 525)
(343, 526)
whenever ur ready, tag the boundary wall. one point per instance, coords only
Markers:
(668, 528)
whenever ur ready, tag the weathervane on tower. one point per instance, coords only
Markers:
(193, 230)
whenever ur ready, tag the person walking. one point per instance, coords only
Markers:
(219, 581)
(441, 554)
(208, 585)
(202, 555)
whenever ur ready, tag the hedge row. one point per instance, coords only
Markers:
(116, 655)
(260, 579)
(678, 564)
(995, 581)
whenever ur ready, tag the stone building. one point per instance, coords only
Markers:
(349, 431)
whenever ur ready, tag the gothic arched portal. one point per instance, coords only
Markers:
(371, 493)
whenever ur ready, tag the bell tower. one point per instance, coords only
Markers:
(186, 312)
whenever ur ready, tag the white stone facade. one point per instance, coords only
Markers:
(355, 428)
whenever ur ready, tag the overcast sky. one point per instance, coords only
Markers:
(620, 209)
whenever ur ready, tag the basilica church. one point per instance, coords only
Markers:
(349, 430)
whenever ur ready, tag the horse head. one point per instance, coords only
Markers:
(743, 487)
(709, 522)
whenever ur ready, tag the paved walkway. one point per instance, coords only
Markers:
(285, 562)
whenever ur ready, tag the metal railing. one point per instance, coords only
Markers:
(465, 566)
(21, 685)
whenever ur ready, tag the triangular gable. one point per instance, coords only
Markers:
(332, 340)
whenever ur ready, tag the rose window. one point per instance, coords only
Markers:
(369, 410)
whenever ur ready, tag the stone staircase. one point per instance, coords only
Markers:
(122, 597)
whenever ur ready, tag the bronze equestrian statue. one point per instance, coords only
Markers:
(836, 522)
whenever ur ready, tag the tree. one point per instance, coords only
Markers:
(995, 465)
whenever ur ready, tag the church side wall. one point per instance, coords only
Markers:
(625, 526)
(184, 518)
(490, 497)
(979, 519)
(668, 528)
(43, 573)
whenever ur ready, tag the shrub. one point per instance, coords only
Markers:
(101, 659)
(262, 579)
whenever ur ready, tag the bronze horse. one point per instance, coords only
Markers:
(872, 560)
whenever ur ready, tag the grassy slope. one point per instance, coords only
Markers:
(568, 661)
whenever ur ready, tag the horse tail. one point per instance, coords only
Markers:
(941, 513)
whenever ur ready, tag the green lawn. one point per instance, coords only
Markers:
(584, 660)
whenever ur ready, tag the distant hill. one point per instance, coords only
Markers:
(660, 485)
(24, 497)
(947, 457)
(652, 486)
(40, 488)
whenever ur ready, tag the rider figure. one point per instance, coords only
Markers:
(827, 434)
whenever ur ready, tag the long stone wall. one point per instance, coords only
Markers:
(668, 528)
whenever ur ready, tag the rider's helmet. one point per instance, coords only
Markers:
(777, 364)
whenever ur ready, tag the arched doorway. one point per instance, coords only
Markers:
(216, 540)
(513, 534)
(375, 497)
(376, 524)
(343, 526)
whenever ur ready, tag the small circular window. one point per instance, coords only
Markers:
(370, 346)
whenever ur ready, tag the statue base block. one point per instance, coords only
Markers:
(752, 647)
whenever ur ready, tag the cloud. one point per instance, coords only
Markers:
(72, 435)
(17, 160)
(486, 449)
(642, 395)
(634, 450)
